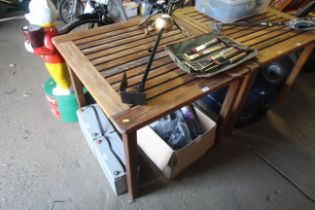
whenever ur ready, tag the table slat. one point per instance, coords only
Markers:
(93, 40)
(134, 79)
(133, 56)
(157, 65)
(85, 35)
(113, 50)
(93, 80)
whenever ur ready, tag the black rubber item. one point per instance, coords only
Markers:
(91, 23)
(95, 16)
(309, 66)
(277, 72)
(91, 20)
(303, 12)
(64, 5)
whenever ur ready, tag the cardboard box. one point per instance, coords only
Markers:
(131, 8)
(173, 162)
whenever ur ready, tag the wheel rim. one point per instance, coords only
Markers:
(274, 74)
(67, 12)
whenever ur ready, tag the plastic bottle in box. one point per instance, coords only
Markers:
(191, 121)
(229, 11)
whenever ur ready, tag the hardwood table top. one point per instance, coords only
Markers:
(99, 57)
(271, 42)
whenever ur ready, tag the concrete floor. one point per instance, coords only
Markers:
(46, 164)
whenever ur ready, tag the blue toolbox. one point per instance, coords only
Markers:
(105, 144)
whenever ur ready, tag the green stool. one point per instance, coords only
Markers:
(62, 107)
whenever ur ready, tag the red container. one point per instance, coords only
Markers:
(34, 34)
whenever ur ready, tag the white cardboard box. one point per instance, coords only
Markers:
(173, 162)
(131, 9)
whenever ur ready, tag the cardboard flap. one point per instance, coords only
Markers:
(173, 161)
(191, 153)
(155, 148)
(204, 120)
(197, 148)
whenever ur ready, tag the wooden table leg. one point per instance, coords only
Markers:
(78, 88)
(247, 83)
(295, 71)
(225, 113)
(131, 157)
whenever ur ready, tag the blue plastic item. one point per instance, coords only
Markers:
(229, 11)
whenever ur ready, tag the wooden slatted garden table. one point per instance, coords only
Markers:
(272, 43)
(97, 59)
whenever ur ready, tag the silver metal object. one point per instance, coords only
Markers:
(297, 24)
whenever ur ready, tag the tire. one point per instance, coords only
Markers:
(310, 63)
(277, 72)
(65, 10)
(83, 23)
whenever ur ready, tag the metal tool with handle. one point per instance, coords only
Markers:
(209, 50)
(228, 55)
(297, 24)
(300, 23)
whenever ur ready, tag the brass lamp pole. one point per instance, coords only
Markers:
(162, 24)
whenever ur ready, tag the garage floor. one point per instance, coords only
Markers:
(47, 165)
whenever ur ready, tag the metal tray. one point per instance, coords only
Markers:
(177, 51)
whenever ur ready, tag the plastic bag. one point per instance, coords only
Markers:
(173, 130)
